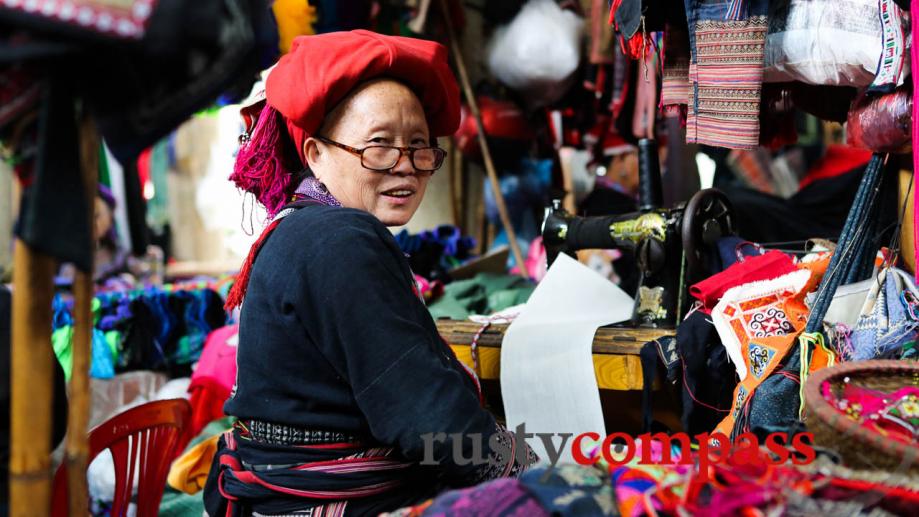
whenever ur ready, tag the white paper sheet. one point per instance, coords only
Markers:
(547, 372)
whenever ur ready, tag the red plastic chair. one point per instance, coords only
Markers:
(143, 440)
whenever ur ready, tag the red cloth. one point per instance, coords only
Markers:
(319, 71)
(838, 159)
(213, 378)
(761, 267)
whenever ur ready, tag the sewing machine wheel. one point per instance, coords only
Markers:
(708, 217)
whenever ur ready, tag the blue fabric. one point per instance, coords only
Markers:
(853, 238)
(571, 490)
(883, 333)
(730, 247)
(102, 365)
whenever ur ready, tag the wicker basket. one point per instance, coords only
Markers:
(858, 446)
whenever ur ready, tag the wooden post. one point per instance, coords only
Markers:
(483, 141)
(77, 449)
(31, 376)
(456, 185)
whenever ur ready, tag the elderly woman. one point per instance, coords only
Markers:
(342, 375)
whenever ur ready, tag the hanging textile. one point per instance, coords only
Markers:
(914, 62)
(727, 41)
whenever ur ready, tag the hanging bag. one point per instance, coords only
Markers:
(828, 42)
(888, 318)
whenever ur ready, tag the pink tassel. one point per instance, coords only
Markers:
(260, 164)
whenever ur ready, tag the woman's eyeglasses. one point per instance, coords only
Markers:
(382, 158)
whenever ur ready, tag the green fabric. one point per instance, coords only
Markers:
(214, 427)
(62, 341)
(104, 175)
(113, 340)
(180, 504)
(485, 293)
(158, 206)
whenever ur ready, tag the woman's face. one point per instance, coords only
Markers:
(380, 112)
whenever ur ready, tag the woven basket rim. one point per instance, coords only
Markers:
(829, 416)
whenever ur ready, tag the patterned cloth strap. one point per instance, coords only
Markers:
(279, 434)
(250, 473)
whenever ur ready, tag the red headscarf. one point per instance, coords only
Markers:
(321, 70)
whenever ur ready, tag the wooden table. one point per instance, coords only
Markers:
(615, 351)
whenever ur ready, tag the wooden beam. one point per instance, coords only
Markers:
(77, 448)
(607, 340)
(31, 376)
(614, 372)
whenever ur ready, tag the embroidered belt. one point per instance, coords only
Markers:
(278, 434)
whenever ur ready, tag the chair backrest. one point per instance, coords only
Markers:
(143, 441)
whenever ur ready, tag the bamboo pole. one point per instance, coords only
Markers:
(456, 179)
(77, 449)
(483, 141)
(31, 377)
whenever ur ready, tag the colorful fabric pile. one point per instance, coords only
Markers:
(152, 329)
(433, 253)
(892, 415)
(637, 489)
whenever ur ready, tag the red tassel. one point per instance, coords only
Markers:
(238, 291)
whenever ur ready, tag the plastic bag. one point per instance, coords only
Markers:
(537, 53)
(882, 123)
(823, 42)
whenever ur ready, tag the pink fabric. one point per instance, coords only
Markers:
(218, 360)
(914, 53)
(535, 262)
(213, 379)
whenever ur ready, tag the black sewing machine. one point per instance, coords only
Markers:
(672, 246)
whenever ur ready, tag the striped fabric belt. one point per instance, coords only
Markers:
(365, 473)
(278, 434)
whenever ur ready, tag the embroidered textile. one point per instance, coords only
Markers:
(893, 48)
(727, 76)
(761, 267)
(311, 187)
(894, 415)
(758, 324)
(675, 80)
(757, 311)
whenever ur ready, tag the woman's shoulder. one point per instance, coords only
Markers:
(331, 226)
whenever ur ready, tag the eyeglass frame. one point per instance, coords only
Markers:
(410, 151)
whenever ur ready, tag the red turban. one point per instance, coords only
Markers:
(319, 71)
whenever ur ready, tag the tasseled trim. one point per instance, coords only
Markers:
(262, 166)
(238, 291)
